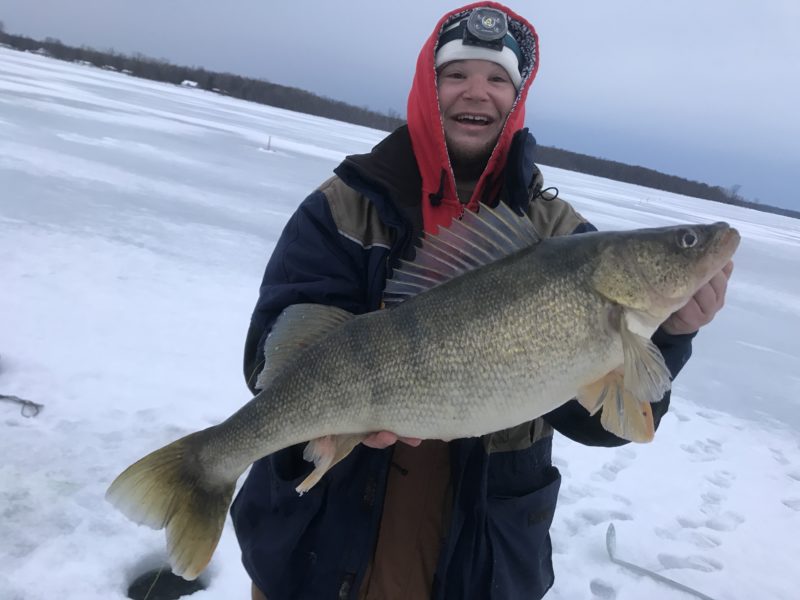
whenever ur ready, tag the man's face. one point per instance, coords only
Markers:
(475, 97)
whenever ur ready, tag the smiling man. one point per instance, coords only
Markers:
(463, 519)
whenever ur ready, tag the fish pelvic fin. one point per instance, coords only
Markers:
(592, 396)
(623, 414)
(325, 452)
(167, 490)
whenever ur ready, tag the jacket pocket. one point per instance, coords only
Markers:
(519, 540)
(271, 524)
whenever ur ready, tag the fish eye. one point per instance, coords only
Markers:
(687, 238)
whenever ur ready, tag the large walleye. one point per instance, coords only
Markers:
(489, 327)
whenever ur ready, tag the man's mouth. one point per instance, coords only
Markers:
(473, 119)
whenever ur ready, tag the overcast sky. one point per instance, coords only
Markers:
(704, 89)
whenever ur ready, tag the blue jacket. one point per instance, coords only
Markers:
(318, 546)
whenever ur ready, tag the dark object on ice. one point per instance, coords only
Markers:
(29, 409)
(162, 584)
(611, 546)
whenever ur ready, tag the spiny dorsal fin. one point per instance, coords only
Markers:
(476, 240)
(296, 328)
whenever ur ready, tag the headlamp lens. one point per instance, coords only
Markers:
(487, 24)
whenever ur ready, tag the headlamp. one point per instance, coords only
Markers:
(486, 28)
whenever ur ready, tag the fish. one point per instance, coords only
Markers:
(488, 327)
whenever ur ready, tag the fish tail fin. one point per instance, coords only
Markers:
(168, 489)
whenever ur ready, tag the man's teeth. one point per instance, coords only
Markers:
(472, 118)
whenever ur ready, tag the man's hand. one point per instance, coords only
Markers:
(702, 308)
(384, 439)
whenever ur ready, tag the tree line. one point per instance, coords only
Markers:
(246, 88)
(295, 99)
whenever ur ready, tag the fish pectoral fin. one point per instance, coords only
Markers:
(645, 373)
(623, 414)
(325, 452)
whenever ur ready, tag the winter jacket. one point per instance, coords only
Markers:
(337, 249)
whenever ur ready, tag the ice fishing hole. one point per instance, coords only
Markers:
(162, 584)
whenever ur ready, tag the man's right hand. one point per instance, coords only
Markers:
(384, 439)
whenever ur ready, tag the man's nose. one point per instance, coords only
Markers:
(477, 88)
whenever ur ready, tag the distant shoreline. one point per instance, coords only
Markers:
(295, 99)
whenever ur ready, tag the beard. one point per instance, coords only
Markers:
(469, 164)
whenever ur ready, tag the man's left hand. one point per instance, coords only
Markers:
(703, 306)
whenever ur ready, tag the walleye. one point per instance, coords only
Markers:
(487, 328)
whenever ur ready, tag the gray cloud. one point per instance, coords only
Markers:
(706, 90)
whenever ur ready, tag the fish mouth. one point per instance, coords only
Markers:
(727, 244)
(730, 240)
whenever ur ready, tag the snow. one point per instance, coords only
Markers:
(135, 222)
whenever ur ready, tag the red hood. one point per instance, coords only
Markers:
(427, 132)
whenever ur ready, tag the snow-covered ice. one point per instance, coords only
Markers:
(135, 222)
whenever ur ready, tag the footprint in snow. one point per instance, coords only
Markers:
(703, 540)
(622, 499)
(678, 415)
(602, 590)
(595, 516)
(722, 479)
(578, 523)
(574, 493)
(623, 459)
(712, 498)
(697, 563)
(690, 523)
(779, 456)
(793, 503)
(711, 416)
(703, 451)
(665, 534)
(727, 521)
(699, 539)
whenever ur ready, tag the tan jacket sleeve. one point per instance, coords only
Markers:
(553, 216)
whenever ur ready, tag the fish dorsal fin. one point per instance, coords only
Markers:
(478, 239)
(296, 328)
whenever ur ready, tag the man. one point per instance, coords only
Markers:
(423, 519)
